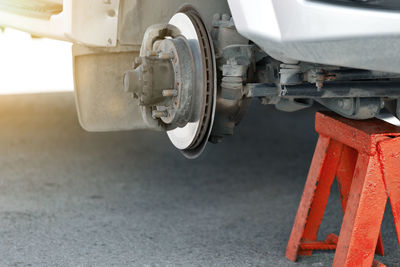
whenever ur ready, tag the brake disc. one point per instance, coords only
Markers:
(192, 138)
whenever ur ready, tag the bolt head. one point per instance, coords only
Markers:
(225, 17)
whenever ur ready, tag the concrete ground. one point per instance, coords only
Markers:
(69, 198)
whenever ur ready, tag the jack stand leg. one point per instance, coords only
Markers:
(344, 177)
(364, 213)
(390, 156)
(315, 196)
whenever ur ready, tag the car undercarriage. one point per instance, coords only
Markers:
(191, 68)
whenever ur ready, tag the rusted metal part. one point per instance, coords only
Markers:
(175, 80)
(149, 79)
(345, 89)
(318, 77)
(330, 90)
(231, 101)
(354, 100)
(365, 156)
(357, 75)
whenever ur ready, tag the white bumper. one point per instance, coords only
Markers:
(321, 33)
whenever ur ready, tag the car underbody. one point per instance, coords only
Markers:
(191, 68)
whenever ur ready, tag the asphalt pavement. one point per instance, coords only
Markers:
(73, 198)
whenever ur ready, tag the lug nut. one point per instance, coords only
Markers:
(170, 92)
(159, 113)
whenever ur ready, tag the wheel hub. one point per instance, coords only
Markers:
(174, 80)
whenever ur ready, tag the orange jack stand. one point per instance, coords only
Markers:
(365, 158)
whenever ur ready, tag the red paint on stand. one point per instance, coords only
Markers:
(365, 158)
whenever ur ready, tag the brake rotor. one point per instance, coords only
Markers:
(192, 138)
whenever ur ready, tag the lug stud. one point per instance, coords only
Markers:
(159, 113)
(170, 92)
